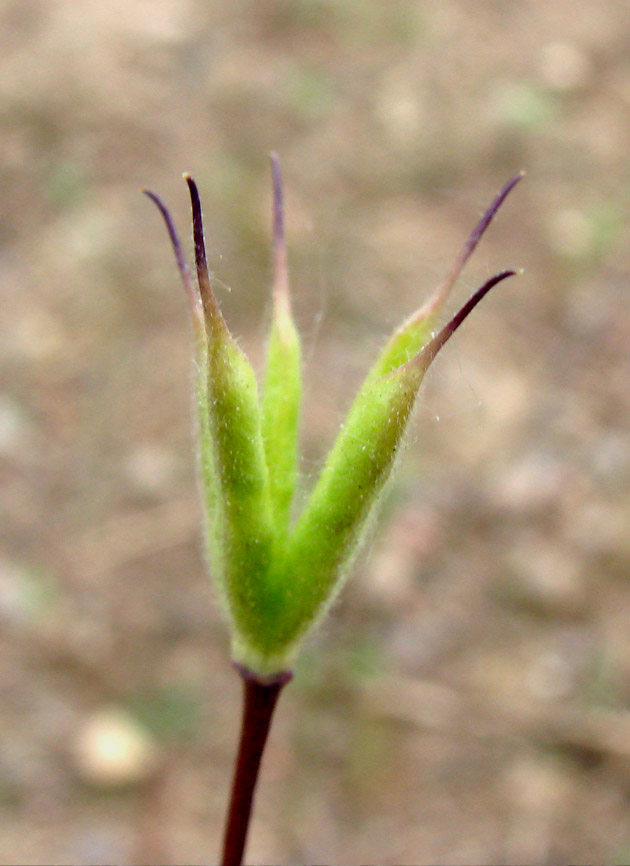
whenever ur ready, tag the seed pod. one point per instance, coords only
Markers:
(240, 511)
(283, 380)
(234, 469)
(276, 582)
(328, 533)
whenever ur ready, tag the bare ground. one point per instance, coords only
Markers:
(469, 700)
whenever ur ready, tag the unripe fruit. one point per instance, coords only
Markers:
(276, 580)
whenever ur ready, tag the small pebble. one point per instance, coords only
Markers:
(112, 749)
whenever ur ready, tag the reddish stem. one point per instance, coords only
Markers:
(259, 702)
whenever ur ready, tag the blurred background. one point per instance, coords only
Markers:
(469, 699)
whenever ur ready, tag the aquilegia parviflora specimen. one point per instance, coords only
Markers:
(277, 576)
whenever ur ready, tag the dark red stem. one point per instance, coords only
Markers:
(259, 702)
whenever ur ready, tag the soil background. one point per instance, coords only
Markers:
(469, 698)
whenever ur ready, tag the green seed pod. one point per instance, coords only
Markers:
(276, 582)
(328, 533)
(233, 464)
(239, 505)
(282, 390)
